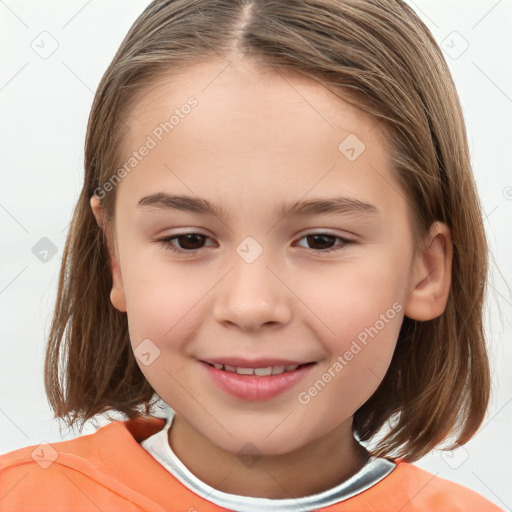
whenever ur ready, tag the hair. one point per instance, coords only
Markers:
(379, 56)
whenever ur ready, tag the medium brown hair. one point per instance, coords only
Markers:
(380, 56)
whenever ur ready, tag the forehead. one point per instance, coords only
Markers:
(242, 88)
(255, 130)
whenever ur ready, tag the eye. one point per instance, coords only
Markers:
(190, 243)
(321, 240)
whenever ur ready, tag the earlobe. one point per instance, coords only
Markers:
(431, 276)
(97, 210)
(117, 297)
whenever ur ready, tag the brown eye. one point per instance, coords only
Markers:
(324, 243)
(184, 243)
(191, 241)
(321, 241)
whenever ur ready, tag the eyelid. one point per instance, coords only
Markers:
(337, 248)
(166, 243)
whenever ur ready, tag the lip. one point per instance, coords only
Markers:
(254, 363)
(252, 388)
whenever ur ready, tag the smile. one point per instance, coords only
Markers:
(258, 382)
(260, 372)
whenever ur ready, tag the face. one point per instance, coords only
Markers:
(258, 283)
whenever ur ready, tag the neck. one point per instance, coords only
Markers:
(316, 467)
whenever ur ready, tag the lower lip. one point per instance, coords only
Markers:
(253, 388)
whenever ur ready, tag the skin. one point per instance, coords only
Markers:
(256, 138)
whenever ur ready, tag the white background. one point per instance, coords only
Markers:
(44, 105)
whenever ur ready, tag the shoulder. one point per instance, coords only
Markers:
(416, 489)
(90, 447)
(408, 488)
(73, 474)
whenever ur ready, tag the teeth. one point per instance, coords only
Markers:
(260, 372)
(245, 371)
(263, 371)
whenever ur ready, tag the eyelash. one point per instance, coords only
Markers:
(166, 243)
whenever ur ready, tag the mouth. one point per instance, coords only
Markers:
(262, 371)
(259, 380)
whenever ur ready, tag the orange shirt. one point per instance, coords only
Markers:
(110, 471)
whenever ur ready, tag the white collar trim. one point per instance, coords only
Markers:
(370, 474)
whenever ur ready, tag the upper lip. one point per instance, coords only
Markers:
(239, 362)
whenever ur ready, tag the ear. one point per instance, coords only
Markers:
(117, 296)
(431, 276)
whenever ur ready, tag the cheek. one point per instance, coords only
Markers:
(358, 360)
(361, 313)
(165, 307)
(164, 302)
(356, 296)
(366, 358)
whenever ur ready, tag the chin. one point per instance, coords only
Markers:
(257, 442)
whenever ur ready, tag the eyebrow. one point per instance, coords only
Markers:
(335, 205)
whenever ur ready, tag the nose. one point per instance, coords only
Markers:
(252, 296)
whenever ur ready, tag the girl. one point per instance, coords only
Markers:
(278, 236)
